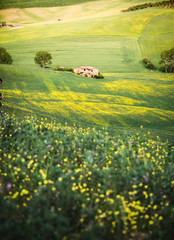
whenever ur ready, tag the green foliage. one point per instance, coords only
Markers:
(169, 4)
(64, 69)
(43, 58)
(148, 63)
(5, 57)
(58, 181)
(167, 58)
(99, 76)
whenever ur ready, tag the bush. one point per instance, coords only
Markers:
(43, 58)
(69, 69)
(100, 76)
(148, 63)
(5, 57)
(59, 68)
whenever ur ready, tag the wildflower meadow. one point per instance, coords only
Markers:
(67, 182)
(84, 158)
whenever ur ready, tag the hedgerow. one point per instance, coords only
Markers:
(64, 69)
(61, 182)
(169, 4)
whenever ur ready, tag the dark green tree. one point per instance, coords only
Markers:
(167, 58)
(43, 58)
(5, 57)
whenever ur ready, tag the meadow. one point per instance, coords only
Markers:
(119, 101)
(85, 158)
(128, 97)
(62, 182)
(37, 3)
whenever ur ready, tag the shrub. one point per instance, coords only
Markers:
(5, 57)
(148, 63)
(69, 69)
(43, 58)
(99, 76)
(60, 68)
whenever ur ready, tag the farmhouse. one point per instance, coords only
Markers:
(86, 71)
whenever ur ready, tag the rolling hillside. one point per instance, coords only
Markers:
(38, 3)
(90, 34)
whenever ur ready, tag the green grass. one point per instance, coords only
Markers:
(68, 174)
(52, 3)
(109, 54)
(121, 100)
(38, 3)
(159, 33)
(99, 36)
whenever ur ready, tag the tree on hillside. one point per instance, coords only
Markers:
(5, 57)
(43, 58)
(167, 58)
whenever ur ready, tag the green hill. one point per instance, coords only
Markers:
(93, 34)
(39, 3)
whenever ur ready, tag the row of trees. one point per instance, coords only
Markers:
(169, 4)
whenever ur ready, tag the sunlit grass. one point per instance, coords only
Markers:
(118, 100)
(94, 35)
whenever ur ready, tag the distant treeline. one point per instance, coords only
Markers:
(169, 4)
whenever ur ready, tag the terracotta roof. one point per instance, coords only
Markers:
(88, 67)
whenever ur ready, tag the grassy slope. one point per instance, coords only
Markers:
(112, 43)
(122, 100)
(52, 3)
(72, 12)
(159, 33)
(38, 3)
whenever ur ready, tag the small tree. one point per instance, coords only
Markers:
(167, 58)
(148, 63)
(43, 58)
(5, 57)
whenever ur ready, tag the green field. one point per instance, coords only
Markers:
(50, 3)
(86, 158)
(38, 3)
(97, 35)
